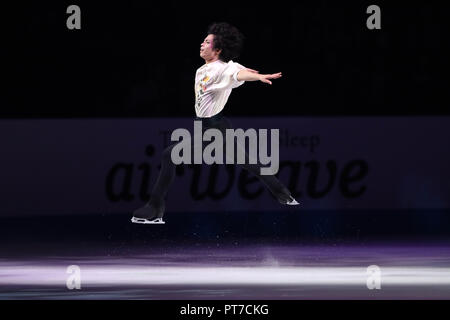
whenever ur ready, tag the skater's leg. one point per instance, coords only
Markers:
(156, 206)
(275, 186)
(165, 176)
(153, 211)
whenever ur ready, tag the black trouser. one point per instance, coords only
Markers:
(167, 173)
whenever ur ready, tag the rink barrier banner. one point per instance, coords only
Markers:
(74, 166)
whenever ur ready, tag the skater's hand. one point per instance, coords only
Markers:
(265, 77)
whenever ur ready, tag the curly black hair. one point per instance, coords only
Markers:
(228, 39)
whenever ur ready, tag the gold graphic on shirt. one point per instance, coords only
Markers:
(203, 83)
(201, 88)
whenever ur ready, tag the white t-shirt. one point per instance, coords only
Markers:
(213, 84)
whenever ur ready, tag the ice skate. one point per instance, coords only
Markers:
(284, 197)
(149, 214)
(292, 202)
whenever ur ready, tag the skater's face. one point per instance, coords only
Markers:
(207, 50)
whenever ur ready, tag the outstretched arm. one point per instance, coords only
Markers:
(253, 75)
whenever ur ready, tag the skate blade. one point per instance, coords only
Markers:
(293, 202)
(146, 221)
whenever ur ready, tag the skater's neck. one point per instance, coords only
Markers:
(212, 60)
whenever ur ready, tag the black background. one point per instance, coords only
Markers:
(138, 58)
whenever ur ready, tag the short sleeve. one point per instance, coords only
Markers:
(228, 77)
(236, 67)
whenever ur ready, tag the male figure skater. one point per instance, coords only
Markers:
(213, 84)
